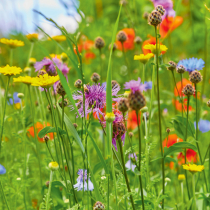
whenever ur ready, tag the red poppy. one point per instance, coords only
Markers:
(129, 43)
(191, 156)
(169, 24)
(172, 139)
(38, 127)
(132, 120)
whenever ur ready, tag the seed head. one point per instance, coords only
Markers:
(168, 130)
(121, 36)
(130, 134)
(46, 138)
(160, 9)
(114, 47)
(41, 72)
(65, 103)
(99, 42)
(136, 100)
(208, 103)
(98, 206)
(123, 105)
(138, 40)
(188, 90)
(75, 125)
(59, 89)
(119, 129)
(78, 83)
(172, 65)
(180, 69)
(195, 77)
(95, 77)
(154, 18)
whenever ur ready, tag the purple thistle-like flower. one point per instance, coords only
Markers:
(192, 64)
(130, 162)
(203, 125)
(94, 95)
(134, 85)
(2, 169)
(79, 184)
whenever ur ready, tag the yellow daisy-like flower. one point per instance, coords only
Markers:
(181, 177)
(32, 37)
(26, 80)
(193, 168)
(153, 48)
(143, 58)
(44, 81)
(10, 70)
(110, 117)
(53, 166)
(12, 43)
(59, 38)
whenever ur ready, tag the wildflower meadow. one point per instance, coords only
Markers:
(114, 115)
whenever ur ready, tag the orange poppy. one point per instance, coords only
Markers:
(169, 24)
(172, 139)
(191, 156)
(38, 127)
(132, 120)
(129, 43)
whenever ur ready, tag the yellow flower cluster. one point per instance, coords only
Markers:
(12, 43)
(10, 70)
(153, 48)
(58, 38)
(193, 168)
(143, 58)
(32, 37)
(44, 81)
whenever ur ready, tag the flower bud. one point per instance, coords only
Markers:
(208, 103)
(154, 18)
(121, 36)
(188, 90)
(64, 56)
(123, 105)
(146, 15)
(167, 179)
(110, 117)
(78, 83)
(136, 100)
(46, 138)
(115, 84)
(180, 69)
(99, 43)
(59, 89)
(144, 109)
(172, 65)
(95, 77)
(53, 166)
(160, 9)
(20, 95)
(98, 206)
(168, 130)
(195, 77)
(138, 40)
(47, 183)
(32, 61)
(181, 177)
(75, 125)
(114, 47)
(27, 69)
(64, 104)
(130, 134)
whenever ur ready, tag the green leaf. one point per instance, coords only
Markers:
(50, 129)
(170, 159)
(177, 147)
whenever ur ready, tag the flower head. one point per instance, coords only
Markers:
(193, 168)
(26, 80)
(192, 64)
(191, 156)
(58, 38)
(2, 169)
(53, 166)
(44, 81)
(83, 176)
(130, 163)
(32, 37)
(143, 58)
(12, 43)
(153, 48)
(181, 177)
(203, 125)
(10, 70)
(110, 117)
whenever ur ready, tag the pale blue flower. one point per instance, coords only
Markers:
(2, 169)
(192, 64)
(203, 125)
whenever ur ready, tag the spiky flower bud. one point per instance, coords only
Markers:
(115, 84)
(46, 138)
(172, 65)
(154, 18)
(130, 134)
(98, 206)
(168, 130)
(41, 72)
(99, 42)
(136, 100)
(195, 77)
(180, 69)
(146, 15)
(160, 9)
(59, 89)
(75, 125)
(138, 40)
(121, 36)
(53, 166)
(118, 129)
(20, 95)
(110, 117)
(78, 83)
(95, 77)
(208, 103)
(114, 47)
(65, 103)
(188, 90)
(123, 105)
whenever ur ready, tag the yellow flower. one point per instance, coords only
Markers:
(59, 38)
(44, 81)
(181, 177)
(32, 37)
(55, 56)
(53, 166)
(26, 80)
(193, 168)
(153, 48)
(12, 43)
(10, 70)
(143, 58)
(32, 61)
(110, 117)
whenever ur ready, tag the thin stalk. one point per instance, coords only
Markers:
(140, 178)
(188, 102)
(143, 73)
(4, 111)
(101, 65)
(182, 192)
(35, 135)
(49, 191)
(108, 194)
(2, 189)
(11, 57)
(62, 119)
(182, 94)
(125, 173)
(49, 150)
(159, 113)
(30, 53)
(193, 186)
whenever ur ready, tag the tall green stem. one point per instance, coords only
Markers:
(2, 189)
(30, 53)
(159, 113)
(125, 173)
(126, 62)
(4, 111)
(35, 134)
(11, 57)
(193, 186)
(140, 180)
(49, 191)
(62, 117)
(143, 73)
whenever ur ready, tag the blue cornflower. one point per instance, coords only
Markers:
(2, 169)
(192, 64)
(16, 99)
(79, 184)
(203, 125)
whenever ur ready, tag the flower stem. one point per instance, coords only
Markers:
(2, 189)
(4, 111)
(182, 94)
(49, 191)
(143, 73)
(30, 53)
(11, 57)
(62, 120)
(101, 65)
(126, 62)
(125, 173)
(35, 135)
(140, 178)
(193, 186)
(160, 131)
